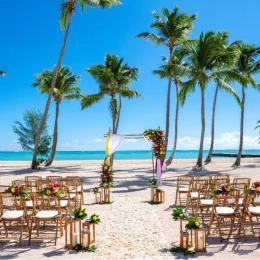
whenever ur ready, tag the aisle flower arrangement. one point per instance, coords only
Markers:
(253, 192)
(225, 189)
(95, 219)
(157, 137)
(95, 190)
(256, 185)
(79, 213)
(193, 223)
(106, 177)
(177, 213)
(17, 191)
(153, 181)
(53, 190)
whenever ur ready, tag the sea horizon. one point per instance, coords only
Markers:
(119, 155)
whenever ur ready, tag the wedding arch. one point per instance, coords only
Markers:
(153, 137)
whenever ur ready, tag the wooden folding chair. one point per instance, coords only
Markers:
(79, 182)
(184, 186)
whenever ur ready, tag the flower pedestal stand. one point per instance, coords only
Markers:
(72, 232)
(105, 194)
(153, 188)
(88, 235)
(159, 197)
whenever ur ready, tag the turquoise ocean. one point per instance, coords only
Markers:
(119, 155)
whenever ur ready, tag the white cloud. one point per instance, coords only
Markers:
(224, 141)
(98, 140)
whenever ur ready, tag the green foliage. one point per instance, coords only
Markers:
(178, 249)
(157, 190)
(193, 223)
(177, 213)
(17, 191)
(79, 213)
(2, 73)
(258, 127)
(53, 190)
(153, 181)
(27, 132)
(95, 190)
(95, 219)
(79, 248)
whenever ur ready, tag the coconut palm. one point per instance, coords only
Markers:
(2, 73)
(67, 10)
(113, 79)
(176, 70)
(171, 31)
(202, 56)
(64, 90)
(248, 66)
(227, 56)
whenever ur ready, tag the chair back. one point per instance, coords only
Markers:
(184, 181)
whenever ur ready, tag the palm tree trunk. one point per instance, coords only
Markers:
(53, 83)
(114, 125)
(238, 160)
(169, 161)
(55, 136)
(168, 104)
(208, 159)
(119, 111)
(199, 161)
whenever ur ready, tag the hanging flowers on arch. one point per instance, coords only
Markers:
(156, 136)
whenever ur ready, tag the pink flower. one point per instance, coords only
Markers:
(256, 184)
(222, 193)
(223, 187)
(55, 185)
(254, 193)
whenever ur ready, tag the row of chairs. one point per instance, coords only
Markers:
(40, 213)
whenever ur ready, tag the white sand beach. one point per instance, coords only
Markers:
(132, 228)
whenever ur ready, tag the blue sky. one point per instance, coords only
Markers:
(31, 40)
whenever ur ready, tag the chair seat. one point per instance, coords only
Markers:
(29, 203)
(63, 203)
(13, 214)
(241, 201)
(196, 195)
(224, 211)
(206, 202)
(183, 189)
(72, 195)
(47, 214)
(254, 210)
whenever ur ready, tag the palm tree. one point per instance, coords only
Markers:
(67, 11)
(113, 78)
(64, 90)
(248, 66)
(170, 33)
(227, 56)
(258, 127)
(202, 56)
(176, 70)
(27, 132)
(2, 73)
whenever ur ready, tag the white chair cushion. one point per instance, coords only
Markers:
(63, 203)
(240, 201)
(206, 202)
(13, 214)
(47, 214)
(72, 195)
(184, 189)
(254, 210)
(196, 195)
(224, 211)
(29, 203)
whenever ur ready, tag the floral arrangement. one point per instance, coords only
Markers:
(157, 137)
(94, 219)
(157, 190)
(17, 191)
(253, 192)
(53, 190)
(256, 185)
(95, 190)
(177, 214)
(106, 177)
(79, 213)
(225, 189)
(193, 223)
(153, 181)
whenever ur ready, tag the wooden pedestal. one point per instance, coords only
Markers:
(72, 233)
(153, 192)
(105, 194)
(91, 240)
(159, 197)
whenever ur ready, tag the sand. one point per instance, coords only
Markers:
(132, 228)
